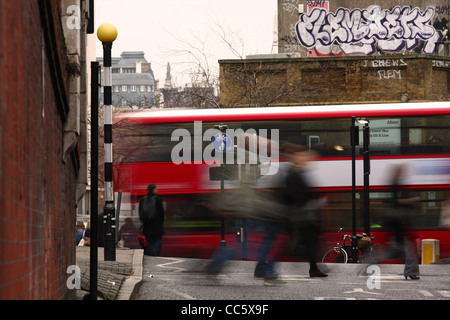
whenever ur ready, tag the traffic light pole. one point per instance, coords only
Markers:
(354, 141)
(223, 243)
(366, 135)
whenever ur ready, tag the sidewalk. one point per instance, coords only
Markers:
(120, 279)
(116, 280)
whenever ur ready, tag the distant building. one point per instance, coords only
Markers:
(168, 82)
(133, 81)
(191, 96)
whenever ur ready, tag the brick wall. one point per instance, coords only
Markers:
(37, 190)
(334, 80)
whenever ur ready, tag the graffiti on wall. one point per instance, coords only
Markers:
(364, 31)
(320, 50)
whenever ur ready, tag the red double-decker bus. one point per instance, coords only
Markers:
(170, 148)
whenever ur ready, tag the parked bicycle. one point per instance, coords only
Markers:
(342, 253)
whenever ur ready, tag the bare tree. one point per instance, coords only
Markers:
(241, 81)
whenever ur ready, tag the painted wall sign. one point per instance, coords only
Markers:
(361, 31)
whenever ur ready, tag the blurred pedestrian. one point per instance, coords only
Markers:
(265, 267)
(128, 234)
(152, 216)
(274, 202)
(79, 231)
(87, 234)
(403, 238)
(303, 208)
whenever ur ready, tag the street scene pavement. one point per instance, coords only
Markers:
(116, 280)
(186, 279)
(134, 276)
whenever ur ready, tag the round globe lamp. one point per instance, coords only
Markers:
(107, 32)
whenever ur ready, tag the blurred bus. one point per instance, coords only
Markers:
(416, 135)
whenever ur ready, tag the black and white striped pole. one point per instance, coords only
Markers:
(107, 33)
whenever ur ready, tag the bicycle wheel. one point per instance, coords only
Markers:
(373, 252)
(369, 255)
(333, 256)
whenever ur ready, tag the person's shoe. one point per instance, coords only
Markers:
(270, 275)
(212, 268)
(260, 270)
(412, 277)
(265, 270)
(317, 273)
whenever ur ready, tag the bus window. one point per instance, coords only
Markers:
(330, 137)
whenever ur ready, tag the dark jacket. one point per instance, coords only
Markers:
(155, 227)
(298, 191)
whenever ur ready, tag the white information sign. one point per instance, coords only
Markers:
(384, 131)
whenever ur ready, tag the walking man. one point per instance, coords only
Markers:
(152, 215)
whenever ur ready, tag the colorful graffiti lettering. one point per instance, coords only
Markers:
(361, 31)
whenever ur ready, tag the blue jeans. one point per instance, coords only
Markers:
(271, 231)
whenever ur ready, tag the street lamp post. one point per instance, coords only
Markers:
(107, 33)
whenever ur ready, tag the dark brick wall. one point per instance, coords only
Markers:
(37, 189)
(334, 80)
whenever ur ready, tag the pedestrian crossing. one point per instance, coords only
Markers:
(445, 293)
(185, 278)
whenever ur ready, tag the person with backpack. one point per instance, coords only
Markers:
(152, 215)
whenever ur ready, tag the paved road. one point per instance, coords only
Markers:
(185, 279)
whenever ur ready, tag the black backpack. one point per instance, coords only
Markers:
(147, 208)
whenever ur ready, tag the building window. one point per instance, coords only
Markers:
(124, 88)
(116, 88)
(133, 88)
(142, 88)
(115, 70)
(149, 88)
(128, 70)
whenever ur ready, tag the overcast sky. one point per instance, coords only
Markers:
(159, 27)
